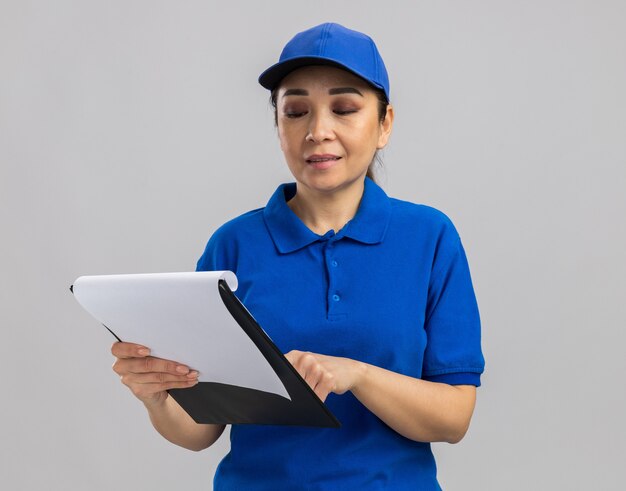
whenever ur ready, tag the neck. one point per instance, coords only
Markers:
(322, 212)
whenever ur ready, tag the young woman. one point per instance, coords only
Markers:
(370, 297)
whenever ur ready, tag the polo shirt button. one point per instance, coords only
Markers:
(334, 263)
(336, 297)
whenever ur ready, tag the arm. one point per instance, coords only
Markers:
(417, 409)
(175, 425)
(149, 378)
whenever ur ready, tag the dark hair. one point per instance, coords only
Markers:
(382, 113)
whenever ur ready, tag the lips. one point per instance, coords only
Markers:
(318, 158)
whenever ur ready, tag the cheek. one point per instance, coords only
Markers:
(365, 139)
(283, 139)
(289, 137)
(287, 141)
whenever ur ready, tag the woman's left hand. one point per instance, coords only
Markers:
(326, 374)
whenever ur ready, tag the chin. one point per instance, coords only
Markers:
(329, 183)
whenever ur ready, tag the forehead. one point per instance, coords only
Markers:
(321, 77)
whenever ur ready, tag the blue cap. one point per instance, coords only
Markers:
(334, 45)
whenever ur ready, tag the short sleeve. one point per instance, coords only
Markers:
(217, 255)
(453, 352)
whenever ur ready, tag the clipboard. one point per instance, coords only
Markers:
(209, 402)
(223, 403)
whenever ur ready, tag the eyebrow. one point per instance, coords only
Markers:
(334, 91)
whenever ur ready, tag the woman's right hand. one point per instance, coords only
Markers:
(148, 377)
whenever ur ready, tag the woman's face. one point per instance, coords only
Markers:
(329, 127)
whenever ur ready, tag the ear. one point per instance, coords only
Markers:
(385, 128)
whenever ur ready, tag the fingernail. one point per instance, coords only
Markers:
(192, 374)
(182, 369)
(143, 351)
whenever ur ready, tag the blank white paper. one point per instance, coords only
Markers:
(180, 317)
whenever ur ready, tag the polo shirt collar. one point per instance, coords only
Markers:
(289, 233)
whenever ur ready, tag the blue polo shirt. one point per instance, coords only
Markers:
(391, 288)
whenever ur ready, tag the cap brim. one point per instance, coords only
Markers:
(271, 77)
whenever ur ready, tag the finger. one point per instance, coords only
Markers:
(325, 386)
(149, 364)
(156, 378)
(306, 365)
(129, 350)
(326, 383)
(292, 356)
(145, 390)
(321, 392)
(295, 358)
(314, 374)
(310, 367)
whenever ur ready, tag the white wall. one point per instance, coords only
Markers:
(129, 130)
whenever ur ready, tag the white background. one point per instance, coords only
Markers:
(129, 130)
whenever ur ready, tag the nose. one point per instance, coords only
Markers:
(320, 127)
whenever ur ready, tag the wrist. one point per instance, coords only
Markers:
(360, 371)
(156, 404)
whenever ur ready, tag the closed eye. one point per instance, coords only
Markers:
(343, 112)
(293, 115)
